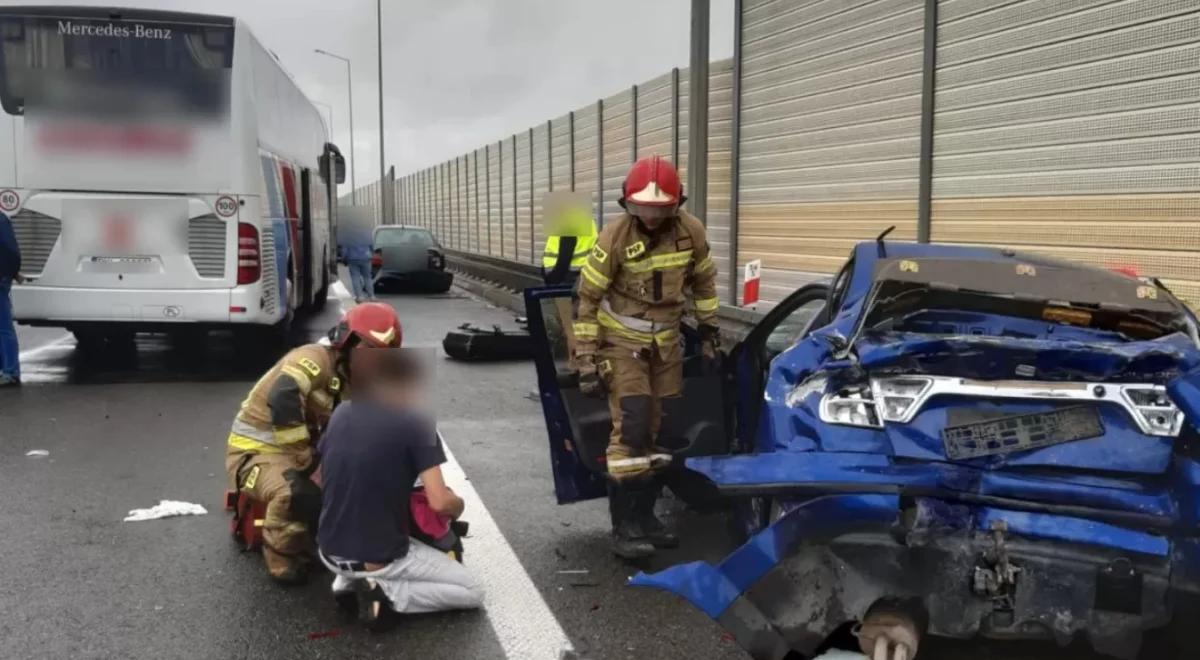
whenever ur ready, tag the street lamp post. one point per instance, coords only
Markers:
(350, 93)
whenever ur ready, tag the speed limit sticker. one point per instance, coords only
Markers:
(9, 200)
(226, 206)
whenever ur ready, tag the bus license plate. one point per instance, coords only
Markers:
(123, 260)
(1005, 435)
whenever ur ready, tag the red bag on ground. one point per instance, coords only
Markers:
(248, 515)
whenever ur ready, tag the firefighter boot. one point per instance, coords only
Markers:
(629, 542)
(654, 529)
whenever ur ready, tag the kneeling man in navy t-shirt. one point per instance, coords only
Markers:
(372, 452)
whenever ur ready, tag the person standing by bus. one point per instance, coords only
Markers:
(10, 271)
(358, 260)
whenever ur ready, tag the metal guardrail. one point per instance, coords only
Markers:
(517, 276)
(510, 274)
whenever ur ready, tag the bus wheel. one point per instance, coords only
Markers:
(88, 341)
(264, 340)
(107, 343)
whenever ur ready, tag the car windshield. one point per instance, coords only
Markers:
(404, 237)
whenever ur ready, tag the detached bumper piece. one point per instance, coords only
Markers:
(974, 570)
(426, 280)
(474, 344)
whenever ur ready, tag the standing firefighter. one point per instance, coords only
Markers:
(632, 294)
(270, 456)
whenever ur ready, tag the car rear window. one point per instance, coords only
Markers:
(1055, 292)
(404, 237)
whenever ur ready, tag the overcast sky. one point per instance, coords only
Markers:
(460, 73)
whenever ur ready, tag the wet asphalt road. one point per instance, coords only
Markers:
(148, 422)
(137, 424)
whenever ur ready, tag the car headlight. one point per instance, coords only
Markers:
(850, 408)
(1159, 415)
(899, 398)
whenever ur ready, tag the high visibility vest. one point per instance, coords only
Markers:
(583, 247)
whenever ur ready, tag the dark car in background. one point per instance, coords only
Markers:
(409, 257)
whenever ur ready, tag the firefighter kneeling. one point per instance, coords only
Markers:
(632, 293)
(270, 454)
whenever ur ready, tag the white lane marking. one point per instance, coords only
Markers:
(520, 617)
(57, 344)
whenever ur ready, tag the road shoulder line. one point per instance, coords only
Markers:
(520, 617)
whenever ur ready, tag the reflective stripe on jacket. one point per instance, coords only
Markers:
(294, 397)
(633, 288)
(583, 246)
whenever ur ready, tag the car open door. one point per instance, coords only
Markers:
(780, 328)
(579, 426)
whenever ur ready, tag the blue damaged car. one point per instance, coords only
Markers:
(1002, 445)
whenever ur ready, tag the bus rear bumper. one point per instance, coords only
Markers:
(66, 306)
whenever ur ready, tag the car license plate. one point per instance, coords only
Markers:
(1005, 435)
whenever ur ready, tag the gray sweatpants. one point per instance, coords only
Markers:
(424, 580)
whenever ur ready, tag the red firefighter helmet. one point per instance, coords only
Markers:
(652, 181)
(370, 324)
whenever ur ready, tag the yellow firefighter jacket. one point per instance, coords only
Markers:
(287, 406)
(633, 288)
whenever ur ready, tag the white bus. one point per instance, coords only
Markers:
(162, 172)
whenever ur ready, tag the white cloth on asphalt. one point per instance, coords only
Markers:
(424, 580)
(166, 509)
(38, 453)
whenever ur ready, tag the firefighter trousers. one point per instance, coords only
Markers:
(639, 380)
(293, 505)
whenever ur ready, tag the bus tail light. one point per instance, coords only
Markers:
(249, 257)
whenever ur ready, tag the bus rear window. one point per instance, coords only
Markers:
(73, 65)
